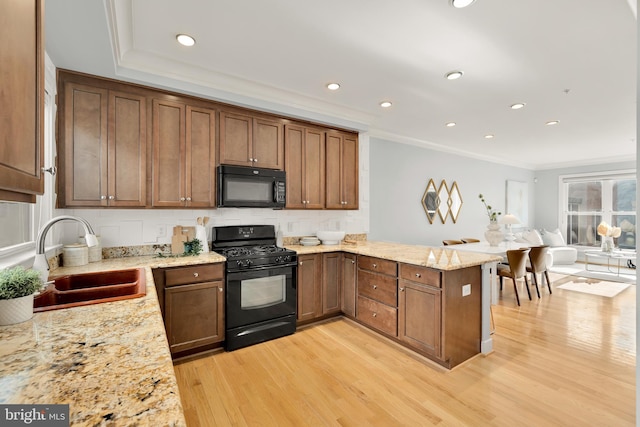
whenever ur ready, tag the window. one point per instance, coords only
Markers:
(590, 199)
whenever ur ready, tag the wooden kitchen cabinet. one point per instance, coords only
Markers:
(349, 274)
(377, 287)
(247, 140)
(192, 305)
(305, 167)
(103, 143)
(184, 147)
(341, 171)
(309, 287)
(331, 282)
(22, 99)
(426, 298)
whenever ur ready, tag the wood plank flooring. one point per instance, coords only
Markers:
(567, 359)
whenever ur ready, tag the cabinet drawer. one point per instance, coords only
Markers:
(424, 275)
(378, 316)
(193, 274)
(378, 287)
(378, 265)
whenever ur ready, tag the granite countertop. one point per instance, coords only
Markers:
(438, 258)
(110, 362)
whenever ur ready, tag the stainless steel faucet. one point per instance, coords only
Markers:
(40, 262)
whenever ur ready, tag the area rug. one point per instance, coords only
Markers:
(590, 286)
(596, 272)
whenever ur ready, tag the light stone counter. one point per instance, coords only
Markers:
(438, 258)
(110, 362)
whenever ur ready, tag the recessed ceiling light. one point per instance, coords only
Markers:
(518, 106)
(333, 86)
(454, 75)
(488, 136)
(385, 104)
(459, 4)
(185, 40)
(450, 124)
(552, 122)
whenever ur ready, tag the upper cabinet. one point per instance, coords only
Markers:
(342, 170)
(247, 140)
(184, 144)
(305, 167)
(102, 146)
(22, 100)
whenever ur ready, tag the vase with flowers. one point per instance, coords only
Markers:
(607, 234)
(493, 234)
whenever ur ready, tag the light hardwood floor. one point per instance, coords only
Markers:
(567, 359)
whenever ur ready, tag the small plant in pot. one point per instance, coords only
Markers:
(17, 286)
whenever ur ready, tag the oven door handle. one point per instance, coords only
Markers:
(262, 268)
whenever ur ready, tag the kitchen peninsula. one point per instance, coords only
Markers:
(111, 361)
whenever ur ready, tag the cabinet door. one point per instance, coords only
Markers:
(200, 149)
(314, 168)
(127, 150)
(194, 315)
(22, 98)
(294, 166)
(85, 145)
(168, 153)
(268, 144)
(419, 317)
(333, 158)
(309, 287)
(236, 136)
(349, 284)
(349, 173)
(331, 282)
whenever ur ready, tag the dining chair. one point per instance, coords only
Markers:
(538, 264)
(452, 242)
(469, 240)
(516, 269)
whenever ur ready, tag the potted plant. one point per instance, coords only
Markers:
(493, 235)
(17, 286)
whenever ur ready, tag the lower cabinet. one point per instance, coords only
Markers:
(420, 317)
(349, 270)
(377, 288)
(192, 302)
(319, 286)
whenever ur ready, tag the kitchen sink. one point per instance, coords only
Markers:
(91, 288)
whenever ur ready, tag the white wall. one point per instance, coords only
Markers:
(132, 227)
(399, 176)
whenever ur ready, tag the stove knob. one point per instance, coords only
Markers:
(249, 262)
(278, 259)
(287, 258)
(240, 264)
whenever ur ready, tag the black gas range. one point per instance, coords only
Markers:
(260, 284)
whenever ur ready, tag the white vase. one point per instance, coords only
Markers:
(493, 234)
(607, 244)
(16, 310)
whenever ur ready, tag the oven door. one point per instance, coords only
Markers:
(258, 295)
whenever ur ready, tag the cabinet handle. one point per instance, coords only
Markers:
(375, 286)
(182, 199)
(250, 159)
(300, 262)
(353, 262)
(220, 289)
(375, 265)
(195, 274)
(188, 199)
(111, 197)
(375, 314)
(401, 289)
(103, 197)
(255, 160)
(418, 275)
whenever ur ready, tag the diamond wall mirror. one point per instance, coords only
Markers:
(430, 201)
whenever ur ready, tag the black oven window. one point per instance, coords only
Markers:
(252, 190)
(263, 292)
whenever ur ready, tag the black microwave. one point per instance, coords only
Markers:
(248, 187)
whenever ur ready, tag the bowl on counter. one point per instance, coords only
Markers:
(330, 237)
(309, 241)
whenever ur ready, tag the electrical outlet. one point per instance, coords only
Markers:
(161, 231)
(466, 290)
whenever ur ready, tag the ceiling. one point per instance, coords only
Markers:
(571, 60)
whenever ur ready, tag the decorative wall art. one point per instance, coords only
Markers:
(517, 202)
(442, 201)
